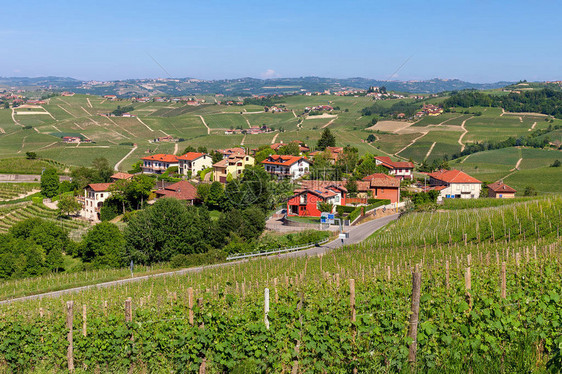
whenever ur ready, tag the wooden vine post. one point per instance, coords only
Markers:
(128, 310)
(266, 307)
(414, 316)
(190, 304)
(84, 321)
(353, 314)
(503, 280)
(69, 320)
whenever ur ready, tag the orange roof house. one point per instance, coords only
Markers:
(499, 190)
(454, 184)
(120, 176)
(157, 164)
(400, 169)
(182, 190)
(284, 166)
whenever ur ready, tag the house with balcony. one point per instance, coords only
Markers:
(399, 169)
(305, 201)
(454, 184)
(157, 164)
(232, 165)
(193, 162)
(283, 166)
(94, 196)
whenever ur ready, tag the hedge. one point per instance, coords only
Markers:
(341, 209)
(379, 202)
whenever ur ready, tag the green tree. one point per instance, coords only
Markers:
(103, 246)
(555, 164)
(325, 207)
(188, 149)
(530, 191)
(292, 149)
(203, 191)
(216, 156)
(102, 170)
(68, 205)
(367, 166)
(216, 195)
(49, 183)
(327, 139)
(30, 155)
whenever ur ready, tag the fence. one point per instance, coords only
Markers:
(266, 252)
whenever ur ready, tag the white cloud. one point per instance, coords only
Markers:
(269, 73)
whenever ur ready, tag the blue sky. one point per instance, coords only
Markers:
(478, 41)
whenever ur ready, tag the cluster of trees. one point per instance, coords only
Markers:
(546, 101)
(122, 110)
(437, 164)
(327, 139)
(127, 195)
(382, 110)
(33, 247)
(348, 165)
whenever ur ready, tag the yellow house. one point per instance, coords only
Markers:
(233, 164)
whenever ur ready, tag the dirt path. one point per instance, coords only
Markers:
(47, 146)
(503, 112)
(517, 164)
(466, 158)
(329, 123)
(411, 143)
(21, 196)
(123, 159)
(243, 139)
(22, 143)
(274, 138)
(294, 114)
(176, 148)
(80, 127)
(533, 127)
(248, 122)
(148, 127)
(14, 118)
(429, 152)
(121, 127)
(66, 111)
(56, 128)
(84, 109)
(89, 103)
(2, 131)
(205, 123)
(464, 133)
(49, 113)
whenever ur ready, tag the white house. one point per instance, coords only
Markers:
(157, 164)
(94, 196)
(193, 162)
(282, 166)
(399, 169)
(454, 184)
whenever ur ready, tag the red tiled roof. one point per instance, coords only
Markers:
(121, 175)
(100, 187)
(182, 190)
(314, 184)
(190, 156)
(322, 192)
(382, 180)
(499, 186)
(377, 176)
(228, 151)
(283, 160)
(221, 164)
(395, 164)
(161, 157)
(453, 176)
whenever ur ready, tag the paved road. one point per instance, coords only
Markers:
(356, 234)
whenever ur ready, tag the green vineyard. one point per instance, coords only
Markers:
(487, 305)
(11, 191)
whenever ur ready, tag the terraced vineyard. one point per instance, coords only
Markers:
(11, 191)
(484, 306)
(13, 213)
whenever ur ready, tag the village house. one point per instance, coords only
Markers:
(499, 190)
(121, 176)
(282, 166)
(157, 164)
(303, 148)
(182, 190)
(71, 139)
(380, 186)
(94, 196)
(305, 201)
(231, 151)
(110, 97)
(193, 162)
(232, 165)
(454, 184)
(399, 169)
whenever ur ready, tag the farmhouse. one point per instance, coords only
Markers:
(193, 162)
(182, 190)
(454, 184)
(292, 167)
(121, 176)
(94, 196)
(157, 164)
(305, 201)
(232, 165)
(499, 190)
(71, 139)
(400, 169)
(380, 186)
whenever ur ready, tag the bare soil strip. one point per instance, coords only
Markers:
(274, 138)
(176, 148)
(411, 143)
(329, 123)
(533, 127)
(148, 127)
(429, 152)
(84, 109)
(89, 103)
(121, 127)
(66, 111)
